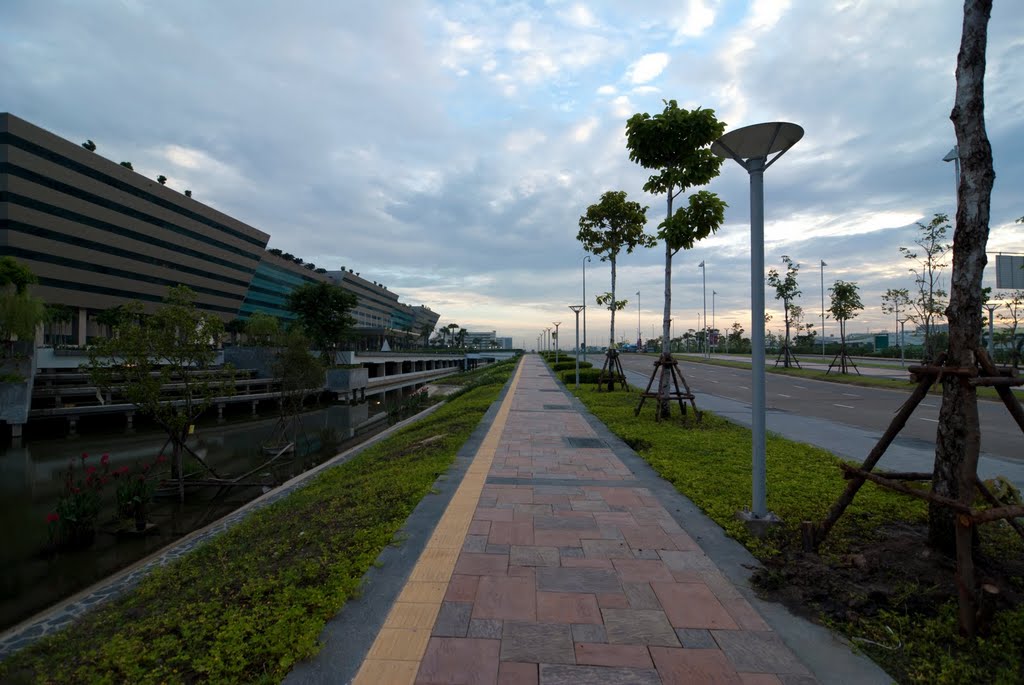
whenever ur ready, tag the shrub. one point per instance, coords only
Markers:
(564, 366)
(586, 376)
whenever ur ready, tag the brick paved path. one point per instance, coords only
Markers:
(553, 564)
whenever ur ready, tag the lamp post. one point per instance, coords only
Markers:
(903, 341)
(704, 276)
(954, 156)
(991, 330)
(576, 308)
(714, 326)
(638, 321)
(557, 324)
(586, 258)
(750, 147)
(700, 342)
(823, 265)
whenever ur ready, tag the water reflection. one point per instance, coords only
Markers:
(32, 476)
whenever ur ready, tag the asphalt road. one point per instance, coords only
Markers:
(870, 409)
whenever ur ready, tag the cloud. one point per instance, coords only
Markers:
(694, 22)
(647, 68)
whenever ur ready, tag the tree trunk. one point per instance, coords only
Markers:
(664, 410)
(957, 443)
(176, 460)
(611, 342)
(785, 307)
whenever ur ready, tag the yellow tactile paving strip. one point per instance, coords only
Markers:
(396, 653)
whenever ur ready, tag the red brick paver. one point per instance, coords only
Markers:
(573, 568)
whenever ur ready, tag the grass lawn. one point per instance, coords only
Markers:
(244, 607)
(910, 634)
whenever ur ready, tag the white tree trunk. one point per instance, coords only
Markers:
(611, 343)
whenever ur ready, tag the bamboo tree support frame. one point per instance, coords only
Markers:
(786, 355)
(667, 364)
(843, 358)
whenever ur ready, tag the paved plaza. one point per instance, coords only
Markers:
(554, 562)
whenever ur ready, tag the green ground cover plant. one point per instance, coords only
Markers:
(914, 635)
(246, 606)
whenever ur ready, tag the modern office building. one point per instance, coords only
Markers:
(97, 235)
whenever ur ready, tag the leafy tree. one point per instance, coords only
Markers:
(262, 328)
(59, 316)
(275, 251)
(309, 265)
(235, 328)
(452, 327)
(89, 145)
(14, 273)
(894, 301)
(425, 331)
(161, 179)
(735, 337)
(323, 311)
(786, 289)
(676, 144)
(20, 312)
(188, 193)
(609, 226)
(287, 255)
(149, 353)
(845, 303)
(111, 318)
(929, 302)
(128, 165)
(1013, 303)
(298, 374)
(320, 270)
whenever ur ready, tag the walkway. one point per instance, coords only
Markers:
(562, 558)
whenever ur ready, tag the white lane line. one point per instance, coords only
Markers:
(931, 420)
(742, 387)
(850, 394)
(927, 405)
(713, 381)
(844, 406)
(802, 387)
(786, 396)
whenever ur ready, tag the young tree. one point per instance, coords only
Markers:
(128, 165)
(262, 329)
(20, 312)
(89, 145)
(161, 179)
(176, 344)
(929, 300)
(845, 303)
(611, 225)
(786, 289)
(894, 301)
(958, 437)
(1013, 303)
(676, 144)
(323, 310)
(188, 193)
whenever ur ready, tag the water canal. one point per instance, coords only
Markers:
(34, 575)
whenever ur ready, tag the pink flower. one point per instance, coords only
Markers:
(123, 471)
(90, 470)
(105, 459)
(161, 459)
(52, 517)
(85, 455)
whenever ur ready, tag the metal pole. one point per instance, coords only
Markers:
(756, 170)
(585, 260)
(903, 343)
(823, 265)
(991, 331)
(557, 345)
(704, 277)
(637, 320)
(576, 310)
(714, 326)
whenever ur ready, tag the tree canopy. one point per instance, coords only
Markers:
(323, 310)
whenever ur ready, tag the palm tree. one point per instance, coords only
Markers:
(452, 327)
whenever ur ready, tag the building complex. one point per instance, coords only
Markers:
(98, 235)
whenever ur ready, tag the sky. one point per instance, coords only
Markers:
(448, 149)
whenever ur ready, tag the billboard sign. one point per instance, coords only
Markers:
(1009, 272)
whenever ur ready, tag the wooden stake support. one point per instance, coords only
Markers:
(841, 361)
(611, 372)
(786, 356)
(664, 395)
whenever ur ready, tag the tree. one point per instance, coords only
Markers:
(676, 143)
(958, 437)
(89, 145)
(275, 251)
(235, 328)
(895, 300)
(111, 318)
(609, 226)
(735, 337)
(845, 303)
(176, 344)
(60, 316)
(786, 289)
(323, 312)
(127, 165)
(425, 331)
(298, 374)
(452, 327)
(20, 312)
(262, 328)
(14, 273)
(928, 302)
(161, 179)
(1013, 302)
(188, 193)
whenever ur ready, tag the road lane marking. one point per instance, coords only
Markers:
(787, 396)
(742, 387)
(844, 406)
(802, 387)
(924, 419)
(712, 381)
(850, 394)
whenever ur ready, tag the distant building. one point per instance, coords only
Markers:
(98, 235)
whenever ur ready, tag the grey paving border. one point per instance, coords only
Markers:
(827, 655)
(348, 636)
(69, 610)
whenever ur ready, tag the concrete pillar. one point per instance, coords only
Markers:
(220, 413)
(130, 419)
(254, 403)
(83, 321)
(72, 426)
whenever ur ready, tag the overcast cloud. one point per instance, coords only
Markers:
(447, 149)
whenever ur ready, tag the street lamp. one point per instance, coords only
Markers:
(903, 341)
(576, 308)
(823, 265)
(638, 321)
(713, 325)
(586, 258)
(704, 276)
(557, 324)
(954, 156)
(750, 147)
(991, 330)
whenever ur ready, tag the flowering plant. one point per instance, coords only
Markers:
(135, 490)
(74, 522)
